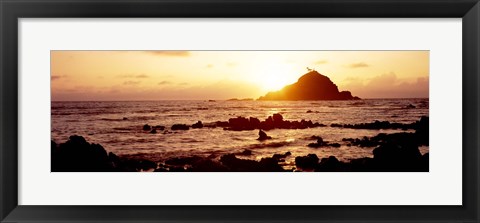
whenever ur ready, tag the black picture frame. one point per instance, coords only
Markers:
(12, 10)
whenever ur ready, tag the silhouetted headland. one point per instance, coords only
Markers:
(310, 86)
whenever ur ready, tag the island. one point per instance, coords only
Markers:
(310, 86)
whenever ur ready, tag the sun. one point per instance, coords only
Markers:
(274, 77)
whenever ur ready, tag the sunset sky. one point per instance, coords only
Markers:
(188, 75)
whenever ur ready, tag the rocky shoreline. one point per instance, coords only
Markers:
(396, 152)
(276, 121)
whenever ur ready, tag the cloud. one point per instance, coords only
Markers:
(57, 77)
(142, 76)
(210, 66)
(131, 82)
(231, 64)
(169, 53)
(133, 76)
(358, 65)
(387, 86)
(164, 83)
(321, 62)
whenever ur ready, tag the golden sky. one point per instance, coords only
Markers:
(188, 75)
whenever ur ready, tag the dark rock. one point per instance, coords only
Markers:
(330, 164)
(207, 165)
(176, 169)
(125, 118)
(380, 125)
(263, 136)
(222, 124)
(398, 156)
(307, 163)
(182, 161)
(275, 121)
(309, 111)
(161, 169)
(270, 165)
(365, 164)
(319, 143)
(277, 118)
(77, 155)
(210, 125)
(422, 131)
(310, 86)
(180, 127)
(239, 124)
(197, 125)
(146, 165)
(153, 131)
(420, 137)
(240, 165)
(147, 127)
(425, 162)
(254, 122)
(336, 145)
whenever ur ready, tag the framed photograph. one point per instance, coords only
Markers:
(228, 111)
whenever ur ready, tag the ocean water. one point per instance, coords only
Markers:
(104, 123)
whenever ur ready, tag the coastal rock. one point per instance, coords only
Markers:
(365, 164)
(398, 156)
(263, 136)
(180, 127)
(425, 162)
(239, 123)
(376, 125)
(147, 127)
(182, 161)
(197, 125)
(336, 145)
(241, 165)
(275, 121)
(422, 131)
(306, 163)
(77, 155)
(319, 142)
(207, 165)
(310, 86)
(330, 164)
(254, 122)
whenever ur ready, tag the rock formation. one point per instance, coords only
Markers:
(310, 86)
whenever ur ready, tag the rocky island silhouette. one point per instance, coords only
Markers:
(310, 86)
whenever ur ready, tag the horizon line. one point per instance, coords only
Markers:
(230, 99)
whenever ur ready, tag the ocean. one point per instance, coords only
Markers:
(118, 126)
